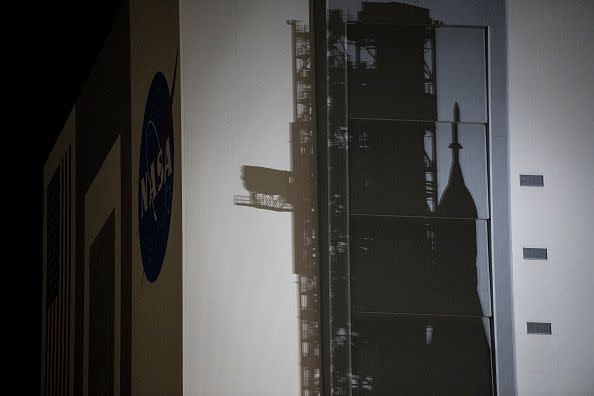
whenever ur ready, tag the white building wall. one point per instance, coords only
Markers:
(240, 302)
(240, 297)
(551, 129)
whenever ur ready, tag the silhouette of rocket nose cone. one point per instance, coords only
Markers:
(455, 145)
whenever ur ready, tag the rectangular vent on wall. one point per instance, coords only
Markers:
(532, 180)
(535, 253)
(538, 328)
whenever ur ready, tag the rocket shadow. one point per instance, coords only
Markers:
(410, 291)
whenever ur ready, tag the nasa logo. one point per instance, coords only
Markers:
(156, 170)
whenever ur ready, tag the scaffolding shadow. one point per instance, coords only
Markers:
(295, 191)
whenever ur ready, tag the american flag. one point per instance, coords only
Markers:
(57, 355)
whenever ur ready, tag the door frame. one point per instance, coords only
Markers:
(101, 199)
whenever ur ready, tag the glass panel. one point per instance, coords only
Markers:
(419, 266)
(418, 169)
(414, 355)
(416, 72)
(387, 73)
(461, 74)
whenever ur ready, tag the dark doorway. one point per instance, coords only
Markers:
(408, 286)
(101, 310)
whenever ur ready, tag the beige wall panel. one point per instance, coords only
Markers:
(102, 198)
(156, 307)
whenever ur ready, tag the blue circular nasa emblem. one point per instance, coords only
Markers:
(155, 185)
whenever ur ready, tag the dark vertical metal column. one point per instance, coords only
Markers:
(317, 18)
